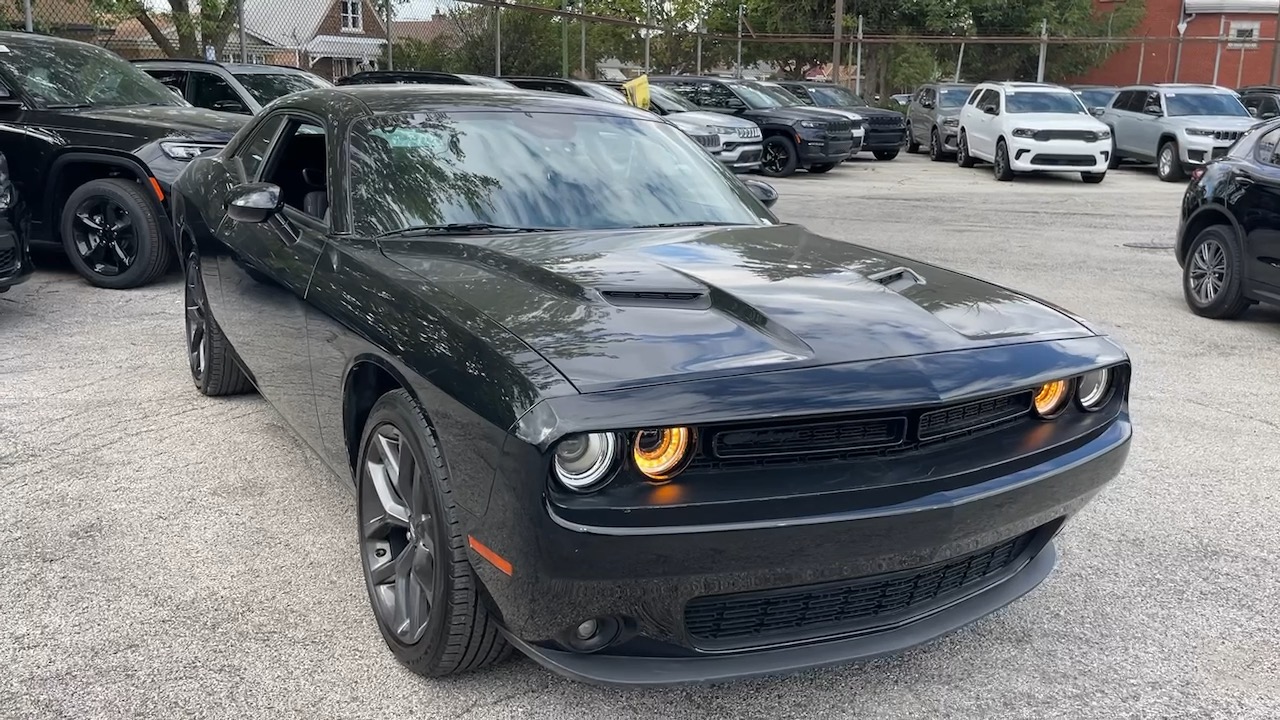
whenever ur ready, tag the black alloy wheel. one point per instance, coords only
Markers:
(935, 146)
(1000, 167)
(913, 147)
(1212, 282)
(112, 236)
(963, 159)
(779, 157)
(424, 591)
(214, 369)
(197, 316)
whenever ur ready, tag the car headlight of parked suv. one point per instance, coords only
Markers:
(1104, 134)
(186, 150)
(813, 125)
(951, 122)
(1024, 132)
(1200, 132)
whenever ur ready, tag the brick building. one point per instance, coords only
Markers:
(1240, 60)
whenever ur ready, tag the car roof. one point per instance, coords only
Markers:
(1178, 86)
(1260, 88)
(375, 99)
(230, 67)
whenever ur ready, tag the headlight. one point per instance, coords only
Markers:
(661, 453)
(583, 460)
(813, 125)
(1024, 132)
(1200, 132)
(1094, 388)
(186, 151)
(722, 130)
(6, 187)
(951, 122)
(1051, 398)
(1104, 135)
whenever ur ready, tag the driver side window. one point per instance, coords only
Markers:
(298, 166)
(716, 95)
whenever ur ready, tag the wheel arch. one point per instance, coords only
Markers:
(1165, 137)
(1205, 217)
(368, 378)
(73, 169)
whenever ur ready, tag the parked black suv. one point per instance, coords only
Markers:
(94, 144)
(421, 77)
(886, 129)
(15, 264)
(794, 137)
(1262, 101)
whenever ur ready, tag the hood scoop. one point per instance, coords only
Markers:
(897, 279)
(690, 300)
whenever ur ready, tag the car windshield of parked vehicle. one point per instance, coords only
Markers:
(1063, 103)
(669, 101)
(70, 75)
(486, 81)
(1183, 104)
(953, 97)
(266, 87)
(437, 172)
(754, 96)
(1096, 98)
(778, 93)
(835, 96)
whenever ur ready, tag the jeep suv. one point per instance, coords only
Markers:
(94, 145)
(15, 263)
(794, 137)
(231, 88)
(933, 118)
(734, 141)
(1177, 126)
(886, 129)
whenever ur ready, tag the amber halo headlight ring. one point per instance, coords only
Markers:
(583, 461)
(1093, 389)
(662, 453)
(1051, 398)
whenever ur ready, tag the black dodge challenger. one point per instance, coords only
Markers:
(598, 404)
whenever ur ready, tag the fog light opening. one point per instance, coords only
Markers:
(594, 634)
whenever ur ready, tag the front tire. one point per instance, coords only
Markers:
(821, 168)
(112, 236)
(424, 594)
(935, 146)
(212, 362)
(779, 157)
(1212, 276)
(886, 154)
(913, 147)
(1000, 166)
(1168, 164)
(963, 158)
(1093, 178)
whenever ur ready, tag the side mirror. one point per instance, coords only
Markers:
(990, 110)
(231, 106)
(1253, 111)
(762, 191)
(926, 104)
(1097, 111)
(1153, 110)
(254, 202)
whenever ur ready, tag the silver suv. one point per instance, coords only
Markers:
(933, 118)
(1176, 126)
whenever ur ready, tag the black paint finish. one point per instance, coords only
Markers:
(512, 341)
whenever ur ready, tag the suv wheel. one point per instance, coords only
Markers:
(779, 157)
(963, 159)
(1168, 165)
(935, 146)
(1001, 168)
(913, 147)
(111, 235)
(821, 168)
(1212, 283)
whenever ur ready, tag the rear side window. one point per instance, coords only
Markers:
(1267, 150)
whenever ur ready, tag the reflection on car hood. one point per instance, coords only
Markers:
(168, 121)
(699, 120)
(619, 308)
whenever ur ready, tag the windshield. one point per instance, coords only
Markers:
(536, 170)
(265, 87)
(755, 97)
(1096, 97)
(778, 93)
(1065, 103)
(835, 96)
(74, 74)
(668, 101)
(953, 97)
(485, 81)
(1181, 104)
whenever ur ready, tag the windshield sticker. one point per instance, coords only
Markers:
(410, 138)
(4, 48)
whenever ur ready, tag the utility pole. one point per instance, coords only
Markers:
(702, 28)
(648, 33)
(390, 33)
(1275, 51)
(497, 39)
(1177, 63)
(582, 24)
(857, 72)
(244, 58)
(1044, 48)
(564, 39)
(738, 68)
(959, 63)
(1217, 55)
(835, 42)
(26, 13)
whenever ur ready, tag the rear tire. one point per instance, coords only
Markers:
(1093, 178)
(886, 154)
(1000, 165)
(457, 633)
(963, 158)
(212, 361)
(821, 168)
(1213, 275)
(1168, 164)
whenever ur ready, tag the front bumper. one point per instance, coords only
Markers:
(823, 149)
(884, 138)
(1198, 150)
(950, 138)
(741, 157)
(1027, 155)
(15, 262)
(665, 578)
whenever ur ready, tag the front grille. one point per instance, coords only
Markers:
(885, 121)
(711, 142)
(857, 605)
(1231, 135)
(839, 439)
(839, 126)
(1051, 160)
(8, 260)
(1085, 135)
(857, 124)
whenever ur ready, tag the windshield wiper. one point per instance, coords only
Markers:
(691, 223)
(463, 229)
(68, 106)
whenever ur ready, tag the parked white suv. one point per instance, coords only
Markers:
(1032, 127)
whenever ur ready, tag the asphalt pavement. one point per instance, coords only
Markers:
(166, 555)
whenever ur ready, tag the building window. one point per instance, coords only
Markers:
(352, 15)
(1243, 34)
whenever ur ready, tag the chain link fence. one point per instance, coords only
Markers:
(618, 39)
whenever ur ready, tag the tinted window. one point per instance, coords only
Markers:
(254, 150)
(1062, 103)
(989, 97)
(297, 167)
(1096, 98)
(716, 95)
(952, 97)
(537, 170)
(66, 73)
(265, 87)
(1182, 104)
(782, 96)
(835, 96)
(207, 90)
(174, 78)
(799, 93)
(669, 101)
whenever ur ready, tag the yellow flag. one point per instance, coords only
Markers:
(637, 90)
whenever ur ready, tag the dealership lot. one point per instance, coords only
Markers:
(170, 555)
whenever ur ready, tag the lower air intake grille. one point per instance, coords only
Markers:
(808, 438)
(8, 259)
(852, 605)
(963, 418)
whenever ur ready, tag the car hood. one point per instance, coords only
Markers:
(1214, 122)
(867, 111)
(789, 114)
(621, 308)
(842, 112)
(699, 120)
(190, 123)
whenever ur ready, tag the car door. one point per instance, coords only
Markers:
(1147, 124)
(982, 135)
(918, 114)
(208, 90)
(1256, 206)
(266, 269)
(1119, 115)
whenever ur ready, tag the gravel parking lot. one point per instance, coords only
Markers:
(168, 555)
